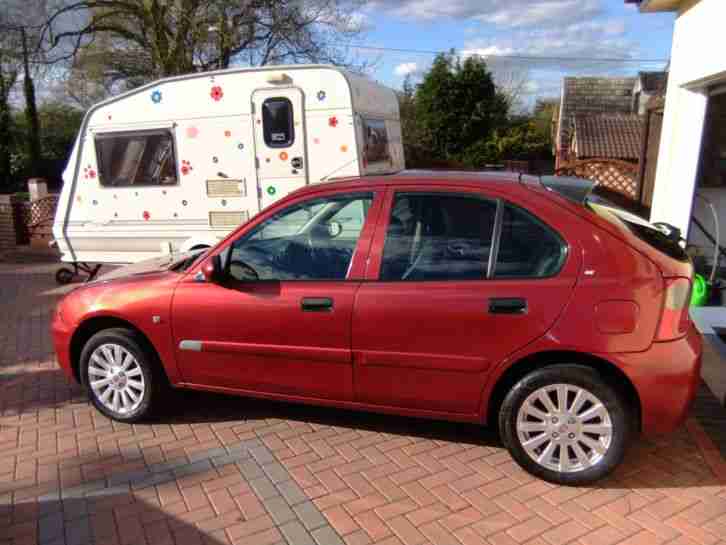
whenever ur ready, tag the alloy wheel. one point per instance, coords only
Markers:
(116, 378)
(564, 428)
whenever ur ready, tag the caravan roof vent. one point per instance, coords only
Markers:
(278, 78)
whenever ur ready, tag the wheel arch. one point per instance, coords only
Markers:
(517, 370)
(91, 326)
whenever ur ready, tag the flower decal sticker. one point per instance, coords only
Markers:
(186, 167)
(343, 148)
(227, 133)
(240, 146)
(192, 132)
(283, 156)
(321, 95)
(333, 121)
(156, 97)
(216, 93)
(146, 215)
(89, 173)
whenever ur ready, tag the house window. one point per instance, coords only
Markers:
(139, 158)
(375, 141)
(278, 122)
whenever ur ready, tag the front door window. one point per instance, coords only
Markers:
(313, 240)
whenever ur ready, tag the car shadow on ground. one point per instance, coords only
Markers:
(673, 461)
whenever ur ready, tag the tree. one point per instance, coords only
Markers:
(21, 23)
(8, 77)
(143, 40)
(457, 104)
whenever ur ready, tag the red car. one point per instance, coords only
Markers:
(495, 298)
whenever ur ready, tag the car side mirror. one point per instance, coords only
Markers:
(212, 269)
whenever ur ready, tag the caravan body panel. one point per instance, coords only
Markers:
(179, 163)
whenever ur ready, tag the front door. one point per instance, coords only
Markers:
(280, 150)
(279, 320)
(443, 305)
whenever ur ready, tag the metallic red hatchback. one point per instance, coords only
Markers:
(492, 298)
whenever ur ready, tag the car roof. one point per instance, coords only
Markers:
(499, 179)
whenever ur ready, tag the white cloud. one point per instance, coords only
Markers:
(405, 69)
(509, 14)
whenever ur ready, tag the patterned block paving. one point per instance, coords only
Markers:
(217, 470)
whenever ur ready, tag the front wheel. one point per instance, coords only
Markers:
(118, 371)
(565, 424)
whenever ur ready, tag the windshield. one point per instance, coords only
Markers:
(648, 233)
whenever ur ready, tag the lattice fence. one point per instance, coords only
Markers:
(34, 220)
(618, 176)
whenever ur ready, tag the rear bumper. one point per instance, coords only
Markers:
(666, 377)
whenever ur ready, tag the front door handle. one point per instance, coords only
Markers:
(316, 304)
(507, 305)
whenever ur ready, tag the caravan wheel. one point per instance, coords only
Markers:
(64, 275)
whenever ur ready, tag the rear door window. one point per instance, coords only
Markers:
(438, 237)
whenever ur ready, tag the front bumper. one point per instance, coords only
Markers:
(666, 377)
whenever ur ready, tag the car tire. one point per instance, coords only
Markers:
(121, 374)
(575, 442)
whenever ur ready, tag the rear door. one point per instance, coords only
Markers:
(280, 147)
(457, 280)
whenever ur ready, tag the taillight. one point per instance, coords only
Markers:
(674, 319)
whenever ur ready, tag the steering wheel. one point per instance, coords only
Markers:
(244, 271)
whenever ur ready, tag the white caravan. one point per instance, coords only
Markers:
(177, 164)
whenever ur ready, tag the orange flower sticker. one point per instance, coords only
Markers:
(283, 156)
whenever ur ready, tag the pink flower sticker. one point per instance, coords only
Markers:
(186, 168)
(333, 121)
(192, 132)
(216, 93)
(146, 215)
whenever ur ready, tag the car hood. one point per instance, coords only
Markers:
(155, 265)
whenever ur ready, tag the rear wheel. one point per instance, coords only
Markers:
(565, 424)
(120, 374)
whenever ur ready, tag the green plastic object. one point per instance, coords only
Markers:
(701, 291)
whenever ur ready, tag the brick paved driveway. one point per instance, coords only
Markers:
(217, 470)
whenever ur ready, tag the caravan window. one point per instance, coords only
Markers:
(136, 158)
(278, 123)
(375, 138)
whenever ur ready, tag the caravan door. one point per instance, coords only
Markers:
(280, 151)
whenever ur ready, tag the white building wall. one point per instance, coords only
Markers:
(697, 62)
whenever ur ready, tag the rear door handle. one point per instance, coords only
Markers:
(316, 304)
(507, 305)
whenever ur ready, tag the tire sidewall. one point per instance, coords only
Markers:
(582, 377)
(125, 339)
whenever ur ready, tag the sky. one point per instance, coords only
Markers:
(574, 32)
